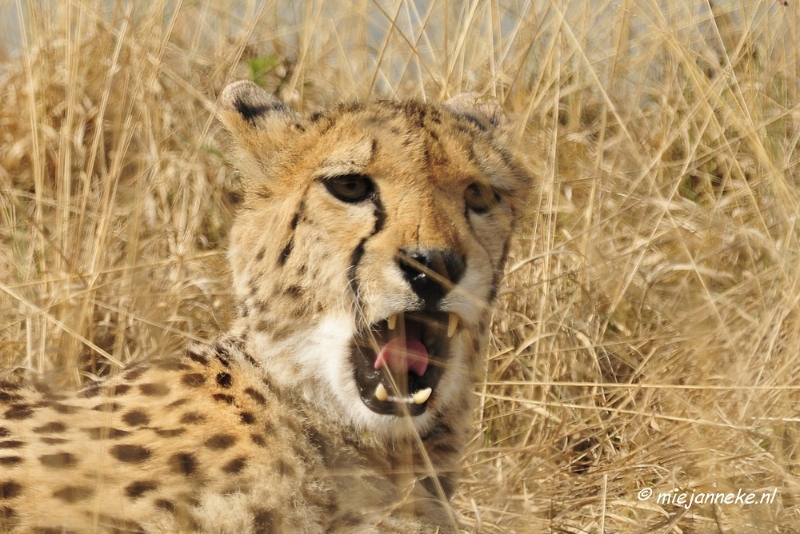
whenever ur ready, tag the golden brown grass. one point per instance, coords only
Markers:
(649, 332)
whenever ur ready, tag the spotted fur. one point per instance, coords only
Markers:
(351, 216)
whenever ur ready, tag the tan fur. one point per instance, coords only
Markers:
(265, 430)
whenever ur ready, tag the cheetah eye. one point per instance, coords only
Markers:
(349, 187)
(480, 198)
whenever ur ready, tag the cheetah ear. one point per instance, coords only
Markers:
(245, 106)
(259, 123)
(484, 112)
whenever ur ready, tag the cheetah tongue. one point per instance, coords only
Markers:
(403, 355)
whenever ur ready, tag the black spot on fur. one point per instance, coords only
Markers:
(319, 442)
(295, 292)
(18, 412)
(183, 463)
(91, 390)
(265, 522)
(164, 504)
(107, 407)
(10, 460)
(9, 490)
(136, 418)
(119, 390)
(298, 214)
(222, 354)
(7, 517)
(265, 325)
(9, 397)
(11, 444)
(136, 489)
(220, 441)
(101, 432)
(154, 390)
(221, 397)
(191, 418)
(134, 374)
(284, 255)
(175, 404)
(260, 255)
(248, 418)
(59, 460)
(197, 357)
(283, 468)
(281, 333)
(64, 408)
(171, 364)
(256, 396)
(250, 360)
(4, 432)
(73, 494)
(54, 427)
(476, 345)
(234, 466)
(224, 380)
(259, 440)
(170, 432)
(120, 526)
(193, 380)
(131, 454)
(53, 441)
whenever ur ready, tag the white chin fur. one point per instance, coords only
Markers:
(324, 356)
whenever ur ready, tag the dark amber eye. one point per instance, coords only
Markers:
(480, 198)
(349, 187)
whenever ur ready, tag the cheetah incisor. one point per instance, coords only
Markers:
(366, 255)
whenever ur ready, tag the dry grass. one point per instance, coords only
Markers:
(649, 332)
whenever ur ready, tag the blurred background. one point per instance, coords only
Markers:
(648, 333)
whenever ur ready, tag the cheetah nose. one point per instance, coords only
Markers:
(431, 273)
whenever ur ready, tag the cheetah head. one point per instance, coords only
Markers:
(370, 247)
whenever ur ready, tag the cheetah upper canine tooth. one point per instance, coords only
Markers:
(392, 320)
(452, 325)
(422, 395)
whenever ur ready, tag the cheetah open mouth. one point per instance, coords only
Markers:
(398, 362)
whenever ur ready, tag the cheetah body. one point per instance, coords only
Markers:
(365, 259)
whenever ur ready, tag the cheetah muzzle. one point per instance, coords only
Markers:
(366, 256)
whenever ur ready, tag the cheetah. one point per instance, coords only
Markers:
(366, 255)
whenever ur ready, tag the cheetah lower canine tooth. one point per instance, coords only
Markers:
(380, 393)
(422, 395)
(452, 325)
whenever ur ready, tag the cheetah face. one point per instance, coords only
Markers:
(370, 247)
